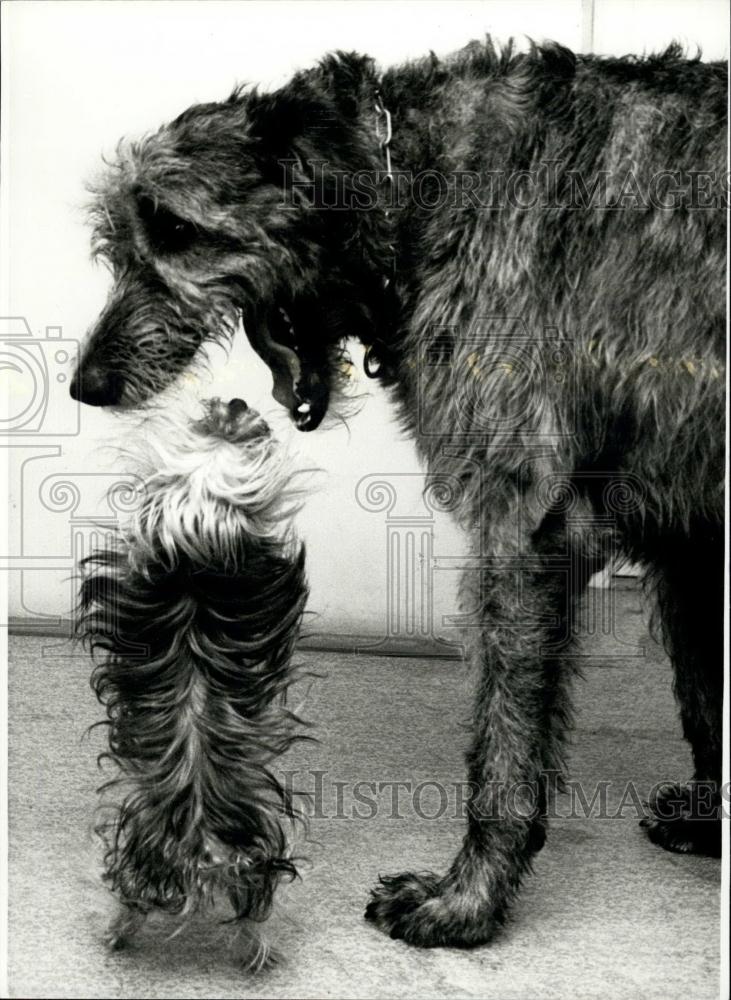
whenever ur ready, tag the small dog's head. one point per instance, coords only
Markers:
(242, 210)
(211, 483)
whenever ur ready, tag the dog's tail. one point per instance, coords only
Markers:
(194, 667)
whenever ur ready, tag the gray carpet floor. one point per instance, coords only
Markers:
(605, 914)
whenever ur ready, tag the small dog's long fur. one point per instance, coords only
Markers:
(195, 611)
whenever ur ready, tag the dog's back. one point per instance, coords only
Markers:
(582, 198)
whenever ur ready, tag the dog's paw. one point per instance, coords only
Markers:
(427, 912)
(124, 927)
(684, 822)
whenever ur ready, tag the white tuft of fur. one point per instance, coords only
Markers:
(201, 491)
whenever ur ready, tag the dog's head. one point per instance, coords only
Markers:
(256, 209)
(210, 483)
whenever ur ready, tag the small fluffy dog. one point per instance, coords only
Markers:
(195, 611)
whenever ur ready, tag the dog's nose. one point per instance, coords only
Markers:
(236, 407)
(96, 386)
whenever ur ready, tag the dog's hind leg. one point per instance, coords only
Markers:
(690, 599)
(521, 603)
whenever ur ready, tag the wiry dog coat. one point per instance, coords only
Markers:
(195, 611)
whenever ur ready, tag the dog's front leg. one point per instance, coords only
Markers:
(520, 606)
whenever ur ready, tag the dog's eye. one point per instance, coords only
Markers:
(167, 232)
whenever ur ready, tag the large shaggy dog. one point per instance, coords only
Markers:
(540, 281)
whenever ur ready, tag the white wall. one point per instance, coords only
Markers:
(76, 77)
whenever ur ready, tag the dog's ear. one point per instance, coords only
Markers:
(299, 132)
(292, 130)
(281, 119)
(330, 92)
(286, 119)
(317, 111)
(350, 79)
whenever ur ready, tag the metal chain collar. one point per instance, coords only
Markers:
(384, 133)
(373, 358)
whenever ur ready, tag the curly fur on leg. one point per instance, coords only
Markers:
(195, 612)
